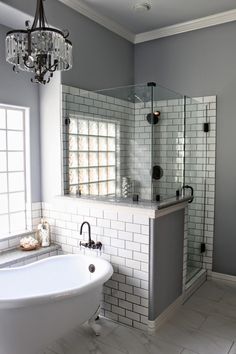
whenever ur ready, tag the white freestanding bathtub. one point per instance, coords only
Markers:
(42, 301)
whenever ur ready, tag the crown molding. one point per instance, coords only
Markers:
(200, 23)
(204, 22)
(104, 21)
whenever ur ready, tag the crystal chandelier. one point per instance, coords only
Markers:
(40, 49)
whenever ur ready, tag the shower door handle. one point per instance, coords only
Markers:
(192, 191)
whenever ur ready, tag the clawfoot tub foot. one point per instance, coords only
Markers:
(92, 323)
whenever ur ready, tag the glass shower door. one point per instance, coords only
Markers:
(195, 176)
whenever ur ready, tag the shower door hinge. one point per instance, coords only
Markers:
(203, 247)
(67, 121)
(206, 127)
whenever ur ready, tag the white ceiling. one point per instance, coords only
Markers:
(163, 12)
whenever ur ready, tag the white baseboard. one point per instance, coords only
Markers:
(221, 276)
(165, 315)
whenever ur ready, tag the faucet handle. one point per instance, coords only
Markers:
(99, 245)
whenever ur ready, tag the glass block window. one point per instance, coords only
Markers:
(12, 170)
(92, 156)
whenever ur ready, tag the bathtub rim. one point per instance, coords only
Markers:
(27, 301)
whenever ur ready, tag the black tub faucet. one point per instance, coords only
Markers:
(90, 243)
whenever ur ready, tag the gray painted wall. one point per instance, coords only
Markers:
(17, 90)
(203, 63)
(102, 59)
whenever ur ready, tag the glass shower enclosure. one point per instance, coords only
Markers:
(138, 143)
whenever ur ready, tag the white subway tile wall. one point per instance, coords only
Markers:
(125, 294)
(123, 235)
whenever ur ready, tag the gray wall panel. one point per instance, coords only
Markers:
(166, 261)
(18, 90)
(203, 63)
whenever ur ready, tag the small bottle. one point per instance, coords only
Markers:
(44, 233)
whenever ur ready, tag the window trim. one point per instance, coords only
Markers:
(27, 172)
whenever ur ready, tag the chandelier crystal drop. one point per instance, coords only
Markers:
(41, 49)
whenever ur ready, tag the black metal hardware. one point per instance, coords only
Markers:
(203, 247)
(90, 244)
(206, 127)
(135, 197)
(67, 121)
(177, 193)
(153, 84)
(192, 192)
(158, 197)
(157, 172)
(91, 268)
(153, 118)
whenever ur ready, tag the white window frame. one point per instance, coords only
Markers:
(27, 172)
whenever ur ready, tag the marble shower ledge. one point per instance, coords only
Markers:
(150, 209)
(9, 258)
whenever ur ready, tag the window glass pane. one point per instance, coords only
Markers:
(2, 140)
(15, 161)
(111, 130)
(111, 143)
(73, 176)
(73, 143)
(83, 175)
(103, 173)
(102, 159)
(73, 189)
(3, 204)
(14, 119)
(83, 143)
(111, 158)
(102, 188)
(102, 128)
(102, 144)
(73, 159)
(3, 161)
(83, 159)
(111, 173)
(93, 152)
(93, 189)
(16, 181)
(17, 201)
(73, 126)
(84, 189)
(17, 221)
(83, 127)
(93, 128)
(4, 222)
(93, 144)
(3, 183)
(15, 140)
(111, 187)
(2, 118)
(93, 159)
(93, 174)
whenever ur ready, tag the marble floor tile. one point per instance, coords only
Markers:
(188, 318)
(205, 324)
(211, 290)
(221, 326)
(195, 340)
